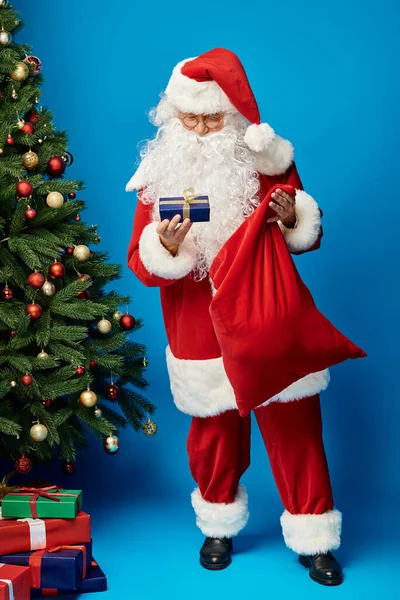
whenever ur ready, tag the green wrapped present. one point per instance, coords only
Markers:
(41, 503)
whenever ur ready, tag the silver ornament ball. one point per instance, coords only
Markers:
(4, 3)
(98, 413)
(54, 199)
(81, 252)
(13, 383)
(48, 288)
(104, 326)
(5, 38)
(39, 432)
(117, 315)
(111, 444)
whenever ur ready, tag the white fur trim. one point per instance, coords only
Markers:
(217, 520)
(200, 388)
(259, 137)
(312, 534)
(137, 181)
(189, 95)
(159, 261)
(311, 384)
(276, 159)
(308, 225)
(163, 112)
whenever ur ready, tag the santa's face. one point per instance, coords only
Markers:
(217, 164)
(202, 124)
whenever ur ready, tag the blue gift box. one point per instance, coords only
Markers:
(189, 206)
(96, 581)
(62, 569)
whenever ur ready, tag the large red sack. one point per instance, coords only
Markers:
(270, 332)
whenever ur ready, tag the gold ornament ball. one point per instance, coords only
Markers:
(104, 326)
(13, 383)
(1, 151)
(42, 354)
(30, 160)
(55, 199)
(88, 398)
(5, 38)
(20, 123)
(81, 252)
(20, 72)
(117, 315)
(150, 428)
(48, 288)
(38, 432)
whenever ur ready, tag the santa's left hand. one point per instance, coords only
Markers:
(285, 207)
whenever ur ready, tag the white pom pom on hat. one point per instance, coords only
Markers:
(217, 82)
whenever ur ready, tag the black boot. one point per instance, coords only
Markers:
(324, 568)
(215, 554)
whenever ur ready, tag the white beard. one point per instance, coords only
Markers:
(218, 165)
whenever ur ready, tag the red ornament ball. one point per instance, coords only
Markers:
(72, 195)
(56, 166)
(26, 379)
(10, 140)
(77, 218)
(34, 63)
(34, 117)
(34, 310)
(36, 280)
(93, 364)
(30, 213)
(23, 465)
(83, 295)
(127, 322)
(112, 391)
(7, 294)
(24, 189)
(80, 370)
(68, 468)
(12, 332)
(69, 250)
(46, 403)
(28, 128)
(56, 270)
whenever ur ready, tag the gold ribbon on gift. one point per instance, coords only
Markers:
(189, 197)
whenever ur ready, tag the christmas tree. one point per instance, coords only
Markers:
(66, 361)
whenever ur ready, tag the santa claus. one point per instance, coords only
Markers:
(210, 138)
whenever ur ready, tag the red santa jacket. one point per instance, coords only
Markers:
(199, 383)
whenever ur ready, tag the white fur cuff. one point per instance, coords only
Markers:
(200, 388)
(308, 225)
(312, 534)
(159, 261)
(218, 520)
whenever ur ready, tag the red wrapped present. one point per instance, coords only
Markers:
(19, 535)
(14, 582)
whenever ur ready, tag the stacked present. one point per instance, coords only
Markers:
(45, 545)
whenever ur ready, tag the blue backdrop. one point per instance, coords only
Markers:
(325, 77)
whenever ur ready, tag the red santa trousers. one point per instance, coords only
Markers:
(219, 454)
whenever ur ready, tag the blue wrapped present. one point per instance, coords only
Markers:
(96, 581)
(189, 206)
(63, 567)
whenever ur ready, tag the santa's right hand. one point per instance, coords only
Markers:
(172, 233)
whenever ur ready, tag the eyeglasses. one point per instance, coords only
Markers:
(210, 121)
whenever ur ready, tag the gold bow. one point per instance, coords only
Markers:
(189, 196)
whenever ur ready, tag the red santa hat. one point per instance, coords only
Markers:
(217, 82)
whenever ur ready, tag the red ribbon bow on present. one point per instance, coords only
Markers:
(35, 562)
(43, 492)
